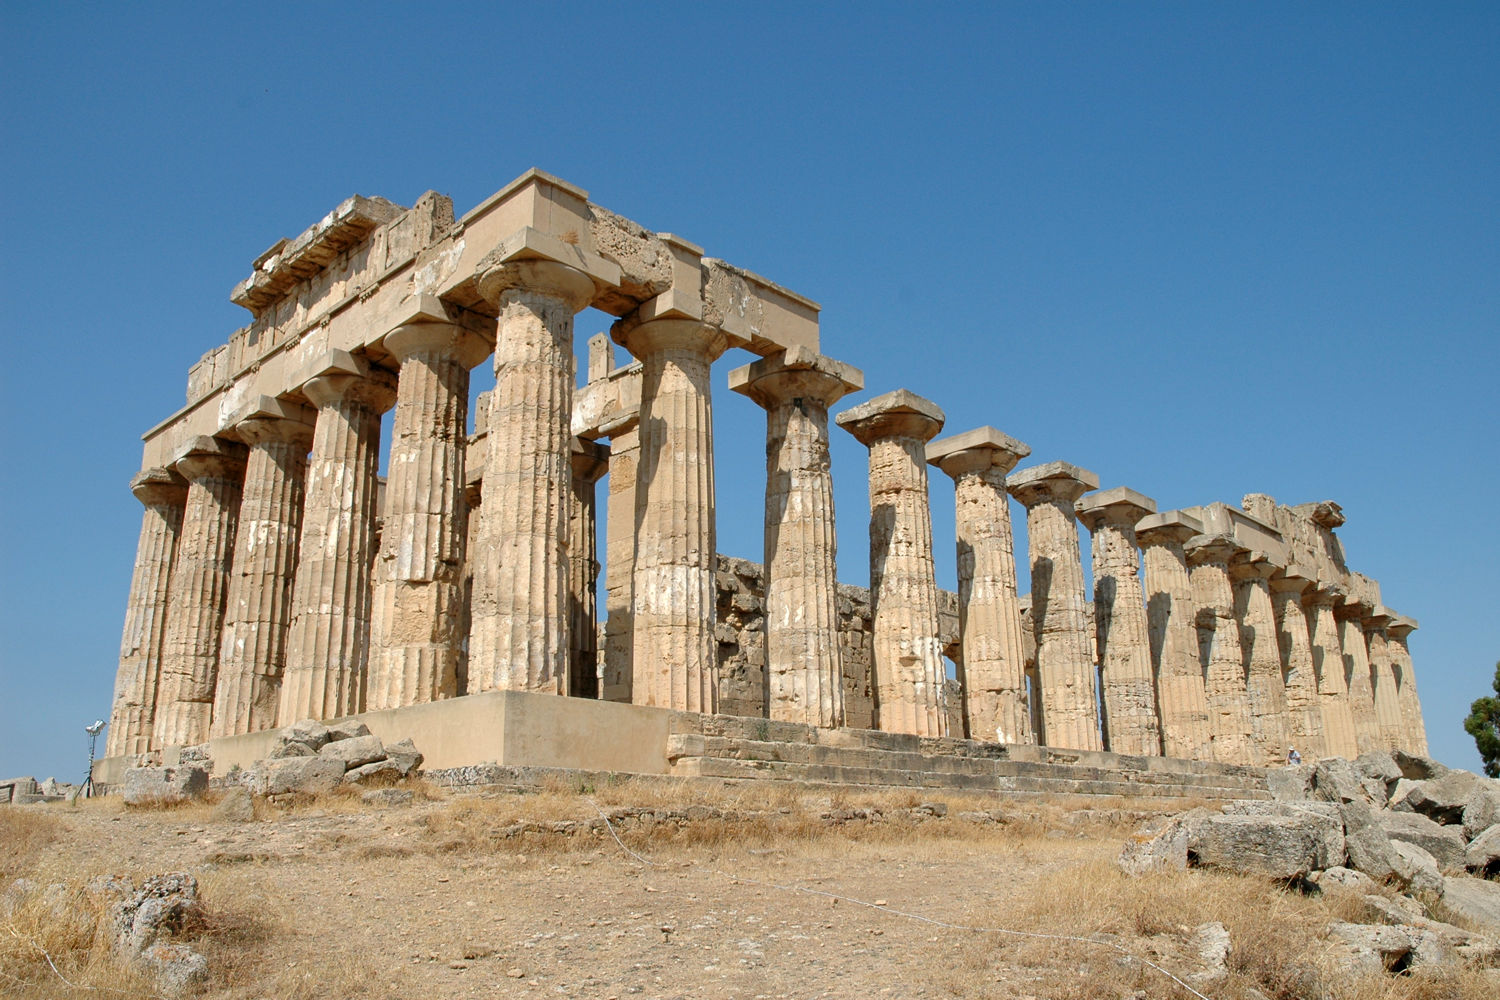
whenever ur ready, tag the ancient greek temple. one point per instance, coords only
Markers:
(278, 577)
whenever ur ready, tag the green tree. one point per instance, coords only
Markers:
(1483, 724)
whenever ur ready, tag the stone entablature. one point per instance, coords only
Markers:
(268, 585)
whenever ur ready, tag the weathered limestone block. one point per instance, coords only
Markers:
(1130, 718)
(252, 654)
(519, 607)
(149, 786)
(1219, 639)
(996, 704)
(415, 638)
(1304, 712)
(673, 655)
(1265, 689)
(1328, 663)
(907, 650)
(294, 774)
(200, 581)
(1383, 679)
(1060, 618)
(328, 643)
(1414, 731)
(587, 461)
(1444, 843)
(804, 678)
(163, 493)
(1181, 700)
(1356, 655)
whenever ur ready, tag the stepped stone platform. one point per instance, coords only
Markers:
(500, 737)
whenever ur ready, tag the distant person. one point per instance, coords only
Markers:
(1293, 758)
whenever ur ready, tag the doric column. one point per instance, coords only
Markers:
(1328, 662)
(1181, 702)
(200, 581)
(1350, 616)
(328, 644)
(1294, 641)
(1219, 640)
(905, 644)
(416, 642)
(589, 461)
(252, 654)
(1059, 612)
(163, 493)
(1414, 730)
(1265, 689)
(804, 676)
(989, 610)
(1383, 679)
(673, 654)
(519, 610)
(619, 558)
(1130, 720)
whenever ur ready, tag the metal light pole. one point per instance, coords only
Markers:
(93, 731)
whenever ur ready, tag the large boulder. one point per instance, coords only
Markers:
(1160, 843)
(295, 774)
(1475, 899)
(308, 731)
(1378, 773)
(1483, 854)
(1282, 846)
(347, 729)
(1416, 870)
(1290, 784)
(1417, 767)
(1483, 809)
(1416, 943)
(140, 924)
(1443, 798)
(356, 751)
(1335, 780)
(1369, 848)
(404, 755)
(1442, 842)
(150, 786)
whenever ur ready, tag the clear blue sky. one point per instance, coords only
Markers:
(1202, 249)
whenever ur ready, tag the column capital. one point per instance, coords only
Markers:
(901, 413)
(1203, 550)
(978, 450)
(1379, 620)
(645, 337)
(204, 457)
(589, 459)
(1401, 626)
(537, 275)
(377, 390)
(158, 486)
(795, 373)
(1167, 526)
(1293, 579)
(1252, 564)
(445, 340)
(1353, 609)
(259, 430)
(1325, 594)
(1121, 507)
(1051, 481)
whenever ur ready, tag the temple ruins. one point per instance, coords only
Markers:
(279, 578)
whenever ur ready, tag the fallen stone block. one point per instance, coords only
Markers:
(148, 786)
(387, 797)
(375, 772)
(235, 806)
(1483, 854)
(1161, 843)
(1474, 899)
(292, 748)
(1290, 784)
(1335, 780)
(356, 751)
(1284, 847)
(347, 729)
(1339, 877)
(140, 922)
(1416, 767)
(309, 731)
(1369, 848)
(295, 774)
(1443, 842)
(1442, 798)
(1482, 811)
(1416, 869)
(404, 755)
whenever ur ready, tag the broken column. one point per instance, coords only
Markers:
(252, 654)
(200, 581)
(1414, 730)
(328, 643)
(804, 677)
(1059, 612)
(1130, 717)
(1294, 641)
(415, 642)
(519, 609)
(674, 658)
(1328, 662)
(1383, 679)
(163, 493)
(1265, 690)
(1182, 705)
(1219, 643)
(996, 705)
(589, 461)
(907, 650)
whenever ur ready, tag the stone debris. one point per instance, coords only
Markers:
(1352, 833)
(144, 919)
(310, 757)
(151, 786)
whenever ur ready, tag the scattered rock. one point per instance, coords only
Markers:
(138, 924)
(1416, 767)
(387, 797)
(1343, 878)
(1482, 810)
(147, 786)
(353, 752)
(1335, 780)
(1290, 784)
(235, 806)
(1442, 842)
(1483, 854)
(1210, 942)
(295, 774)
(1369, 848)
(404, 755)
(1379, 766)
(1416, 869)
(1285, 847)
(1474, 899)
(308, 731)
(375, 772)
(1443, 798)
(293, 748)
(347, 729)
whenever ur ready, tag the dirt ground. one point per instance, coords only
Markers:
(796, 895)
